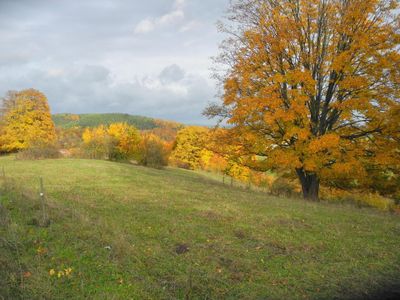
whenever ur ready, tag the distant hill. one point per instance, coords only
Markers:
(93, 120)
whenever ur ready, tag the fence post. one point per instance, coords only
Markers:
(42, 200)
(3, 174)
(1, 192)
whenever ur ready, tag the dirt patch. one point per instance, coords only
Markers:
(181, 249)
(237, 271)
(276, 248)
(240, 234)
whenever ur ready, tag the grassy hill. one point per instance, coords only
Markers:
(93, 120)
(132, 232)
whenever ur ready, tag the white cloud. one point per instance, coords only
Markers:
(149, 24)
(179, 3)
(189, 26)
(145, 26)
(171, 17)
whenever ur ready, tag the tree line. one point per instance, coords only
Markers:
(26, 128)
(310, 90)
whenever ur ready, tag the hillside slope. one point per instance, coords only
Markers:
(138, 233)
(93, 120)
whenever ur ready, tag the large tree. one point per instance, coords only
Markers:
(25, 121)
(312, 85)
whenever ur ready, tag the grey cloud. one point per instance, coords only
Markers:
(91, 88)
(85, 56)
(171, 73)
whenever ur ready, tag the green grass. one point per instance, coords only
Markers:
(241, 244)
(93, 120)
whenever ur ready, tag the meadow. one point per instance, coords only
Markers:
(119, 231)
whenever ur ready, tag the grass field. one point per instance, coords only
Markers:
(130, 232)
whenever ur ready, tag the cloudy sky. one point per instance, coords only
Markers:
(148, 57)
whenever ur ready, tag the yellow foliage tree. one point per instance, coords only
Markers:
(189, 150)
(26, 120)
(117, 141)
(96, 142)
(313, 85)
(127, 139)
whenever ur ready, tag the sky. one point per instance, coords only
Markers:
(148, 58)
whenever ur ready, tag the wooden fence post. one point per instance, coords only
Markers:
(3, 174)
(1, 191)
(42, 201)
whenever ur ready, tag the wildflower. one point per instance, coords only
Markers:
(40, 250)
(68, 271)
(52, 272)
(60, 274)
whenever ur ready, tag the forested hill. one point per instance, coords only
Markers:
(93, 120)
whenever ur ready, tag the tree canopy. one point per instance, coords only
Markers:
(313, 85)
(117, 141)
(189, 149)
(25, 120)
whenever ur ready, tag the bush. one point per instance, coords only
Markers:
(283, 187)
(180, 164)
(360, 198)
(396, 198)
(376, 200)
(39, 151)
(153, 153)
(100, 148)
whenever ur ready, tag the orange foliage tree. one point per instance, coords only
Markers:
(25, 121)
(312, 85)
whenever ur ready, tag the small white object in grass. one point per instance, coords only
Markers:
(107, 247)
(41, 194)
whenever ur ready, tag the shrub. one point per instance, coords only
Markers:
(153, 152)
(39, 151)
(376, 200)
(283, 187)
(396, 198)
(118, 142)
(95, 149)
(360, 198)
(180, 164)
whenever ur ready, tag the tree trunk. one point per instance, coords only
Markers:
(309, 184)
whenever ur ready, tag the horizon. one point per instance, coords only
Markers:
(133, 115)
